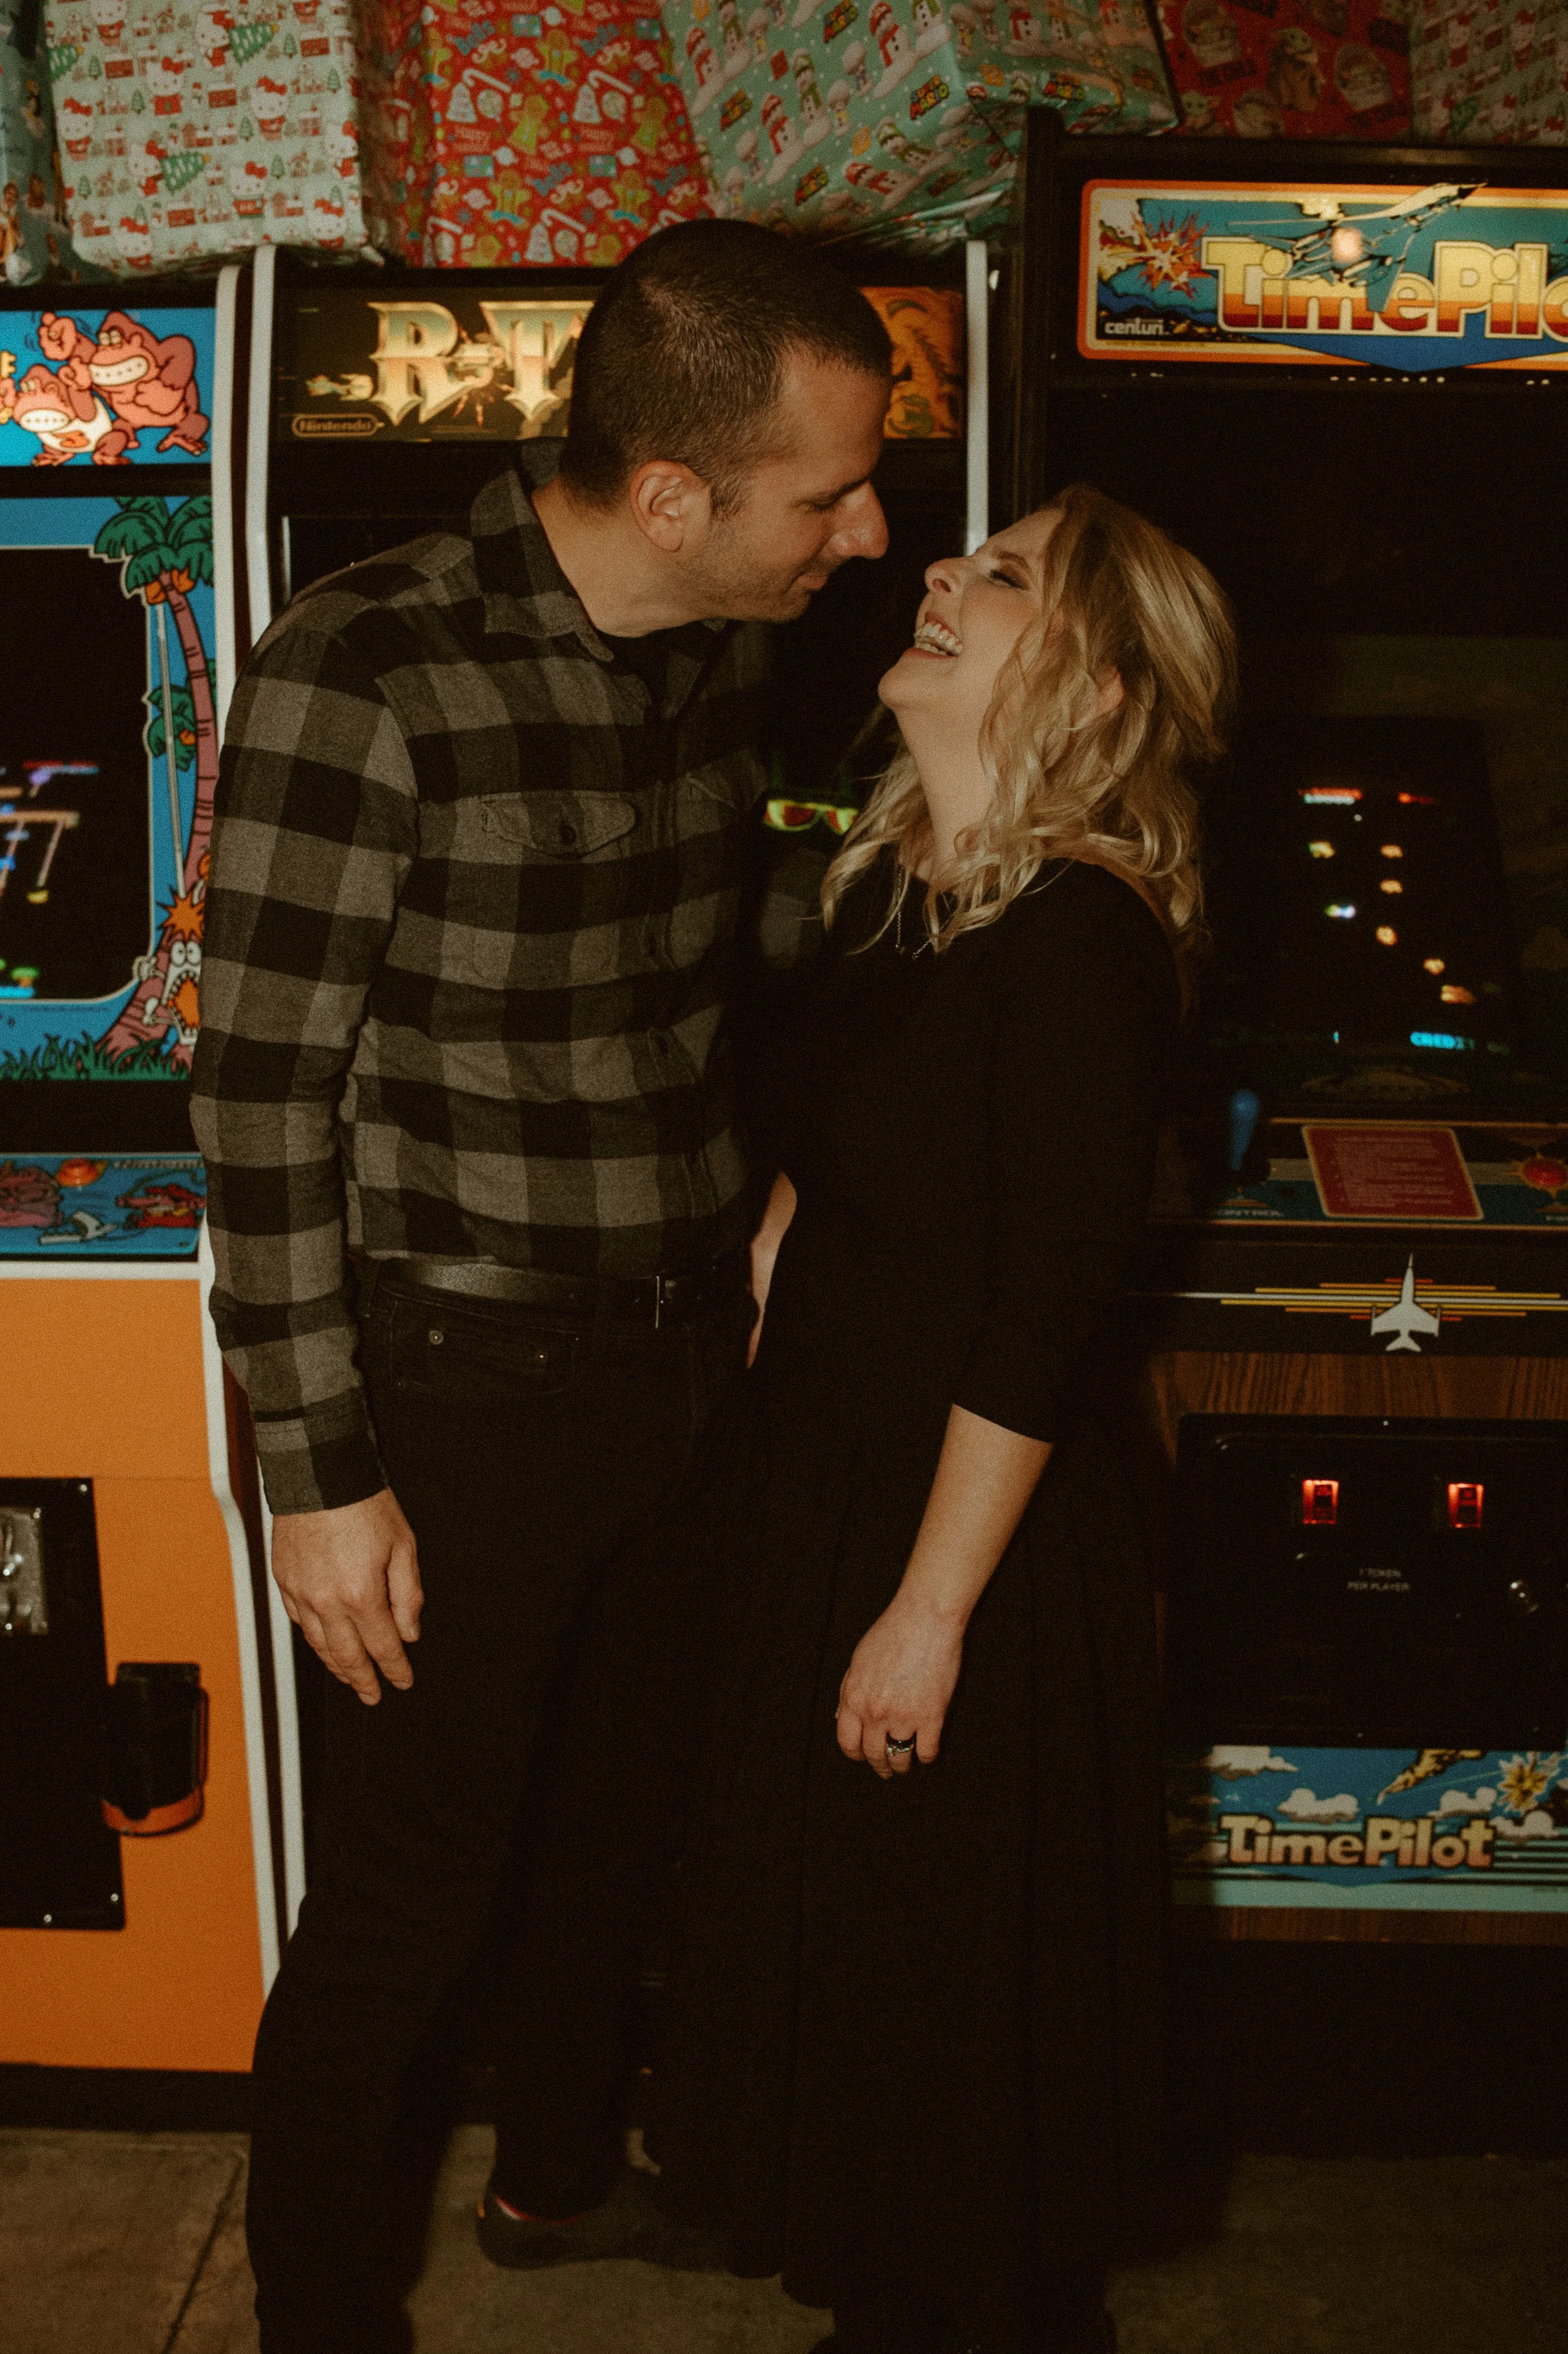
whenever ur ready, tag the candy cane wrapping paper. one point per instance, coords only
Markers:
(188, 132)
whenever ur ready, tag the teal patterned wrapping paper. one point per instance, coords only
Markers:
(900, 118)
(33, 241)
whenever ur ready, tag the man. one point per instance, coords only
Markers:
(481, 1215)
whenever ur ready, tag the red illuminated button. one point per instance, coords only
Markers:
(1466, 1498)
(1320, 1502)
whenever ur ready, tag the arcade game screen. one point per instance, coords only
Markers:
(1356, 890)
(75, 878)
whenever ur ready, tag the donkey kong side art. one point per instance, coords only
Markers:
(147, 382)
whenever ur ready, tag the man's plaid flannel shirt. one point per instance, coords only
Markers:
(468, 931)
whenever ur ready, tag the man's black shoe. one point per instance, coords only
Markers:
(629, 2223)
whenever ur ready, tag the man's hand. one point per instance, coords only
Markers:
(350, 1582)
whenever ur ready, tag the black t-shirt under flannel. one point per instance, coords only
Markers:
(468, 930)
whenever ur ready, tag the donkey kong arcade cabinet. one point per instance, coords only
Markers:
(141, 1831)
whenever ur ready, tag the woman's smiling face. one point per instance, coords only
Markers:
(975, 610)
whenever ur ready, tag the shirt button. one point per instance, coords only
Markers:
(568, 833)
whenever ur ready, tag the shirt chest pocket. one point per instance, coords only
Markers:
(538, 886)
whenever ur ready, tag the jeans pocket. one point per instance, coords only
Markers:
(486, 1363)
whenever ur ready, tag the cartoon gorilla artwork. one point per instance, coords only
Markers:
(67, 420)
(146, 382)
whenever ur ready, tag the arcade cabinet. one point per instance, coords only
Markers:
(140, 1836)
(1342, 381)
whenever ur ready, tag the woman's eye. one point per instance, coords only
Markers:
(1008, 579)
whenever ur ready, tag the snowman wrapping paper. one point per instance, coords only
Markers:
(901, 117)
(1292, 69)
(552, 136)
(192, 131)
(33, 241)
(1491, 73)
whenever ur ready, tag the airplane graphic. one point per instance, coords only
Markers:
(1405, 1317)
(1338, 241)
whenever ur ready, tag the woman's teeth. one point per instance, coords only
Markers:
(935, 638)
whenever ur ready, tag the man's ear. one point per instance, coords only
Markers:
(668, 503)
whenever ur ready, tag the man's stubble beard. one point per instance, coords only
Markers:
(736, 591)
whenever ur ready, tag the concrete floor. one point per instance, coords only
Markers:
(131, 2243)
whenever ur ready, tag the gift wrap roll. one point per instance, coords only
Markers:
(33, 238)
(1311, 70)
(550, 137)
(188, 132)
(900, 117)
(1490, 73)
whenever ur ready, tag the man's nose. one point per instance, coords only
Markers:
(864, 531)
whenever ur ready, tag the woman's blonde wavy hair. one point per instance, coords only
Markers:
(1117, 595)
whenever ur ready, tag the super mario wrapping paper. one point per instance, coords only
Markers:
(900, 116)
(1290, 69)
(33, 241)
(190, 132)
(1491, 73)
(556, 136)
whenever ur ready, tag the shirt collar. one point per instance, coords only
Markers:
(525, 592)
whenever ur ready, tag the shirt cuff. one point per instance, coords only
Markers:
(318, 1460)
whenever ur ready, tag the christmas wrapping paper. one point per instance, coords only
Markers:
(1290, 69)
(1491, 73)
(556, 135)
(32, 225)
(900, 116)
(188, 132)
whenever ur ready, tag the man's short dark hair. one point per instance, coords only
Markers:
(683, 355)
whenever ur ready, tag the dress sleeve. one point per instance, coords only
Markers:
(1081, 1047)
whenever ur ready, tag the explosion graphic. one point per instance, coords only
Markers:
(1524, 1780)
(1166, 251)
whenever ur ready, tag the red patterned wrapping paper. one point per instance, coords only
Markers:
(556, 136)
(1290, 69)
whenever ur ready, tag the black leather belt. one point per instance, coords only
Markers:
(653, 1300)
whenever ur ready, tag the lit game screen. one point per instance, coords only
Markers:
(74, 880)
(1358, 907)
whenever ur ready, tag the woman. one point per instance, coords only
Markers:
(914, 2022)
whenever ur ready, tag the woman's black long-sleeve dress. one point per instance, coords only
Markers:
(914, 2025)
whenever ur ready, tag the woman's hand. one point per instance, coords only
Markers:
(899, 1683)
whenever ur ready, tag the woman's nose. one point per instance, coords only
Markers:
(947, 574)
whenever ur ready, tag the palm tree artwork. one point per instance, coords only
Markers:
(163, 552)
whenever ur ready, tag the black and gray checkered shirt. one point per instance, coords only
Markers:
(468, 930)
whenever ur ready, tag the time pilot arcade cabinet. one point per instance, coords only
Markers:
(1341, 380)
(139, 1879)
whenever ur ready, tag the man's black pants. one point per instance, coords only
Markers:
(555, 1475)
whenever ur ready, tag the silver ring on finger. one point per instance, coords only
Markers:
(900, 1748)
